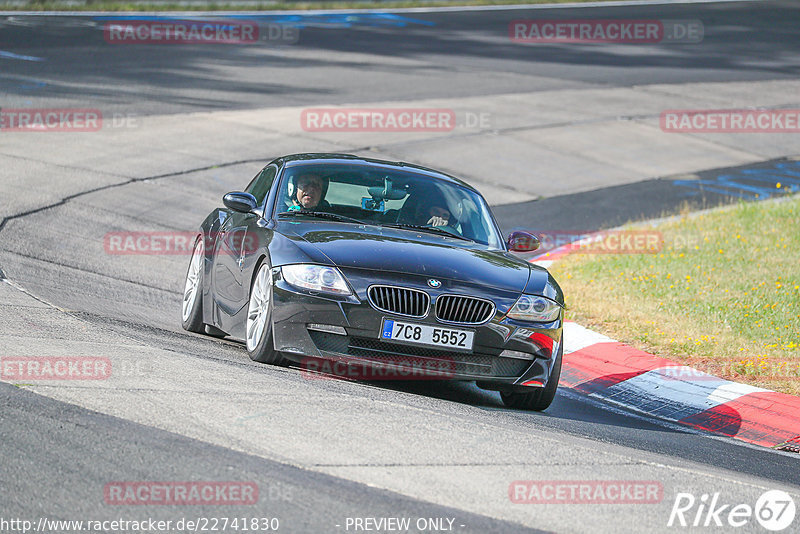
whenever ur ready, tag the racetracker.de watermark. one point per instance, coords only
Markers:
(14, 368)
(401, 368)
(586, 492)
(237, 243)
(384, 120)
(50, 120)
(730, 121)
(63, 120)
(180, 493)
(761, 369)
(187, 31)
(601, 242)
(605, 31)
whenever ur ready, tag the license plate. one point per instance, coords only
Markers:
(423, 334)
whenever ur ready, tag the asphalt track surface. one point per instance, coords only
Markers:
(55, 457)
(419, 55)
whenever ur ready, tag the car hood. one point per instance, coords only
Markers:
(395, 250)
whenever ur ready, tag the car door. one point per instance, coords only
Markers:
(238, 237)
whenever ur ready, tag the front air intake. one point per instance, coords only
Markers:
(459, 309)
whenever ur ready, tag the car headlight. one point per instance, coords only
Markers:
(535, 309)
(316, 278)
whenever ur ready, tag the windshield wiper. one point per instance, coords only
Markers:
(323, 215)
(431, 229)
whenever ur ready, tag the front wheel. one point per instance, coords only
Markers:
(538, 399)
(260, 347)
(192, 309)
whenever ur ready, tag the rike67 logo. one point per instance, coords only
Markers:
(774, 510)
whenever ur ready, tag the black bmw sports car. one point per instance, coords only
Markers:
(373, 269)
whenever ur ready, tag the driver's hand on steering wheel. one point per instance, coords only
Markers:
(437, 221)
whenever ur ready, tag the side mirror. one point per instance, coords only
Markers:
(522, 242)
(239, 201)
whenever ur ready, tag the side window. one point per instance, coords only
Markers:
(262, 183)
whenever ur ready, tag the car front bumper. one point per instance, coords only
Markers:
(341, 336)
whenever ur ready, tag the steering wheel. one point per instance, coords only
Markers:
(448, 229)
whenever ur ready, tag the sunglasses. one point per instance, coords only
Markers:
(309, 184)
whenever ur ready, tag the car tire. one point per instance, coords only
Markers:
(538, 399)
(258, 333)
(192, 307)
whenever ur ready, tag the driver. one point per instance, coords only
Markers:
(308, 191)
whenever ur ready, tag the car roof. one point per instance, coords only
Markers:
(293, 159)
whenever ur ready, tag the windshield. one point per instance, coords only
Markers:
(386, 197)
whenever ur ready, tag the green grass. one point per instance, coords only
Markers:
(722, 294)
(112, 5)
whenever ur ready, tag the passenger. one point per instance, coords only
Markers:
(437, 215)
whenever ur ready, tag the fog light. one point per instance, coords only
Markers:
(517, 355)
(328, 328)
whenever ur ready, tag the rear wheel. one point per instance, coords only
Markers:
(259, 319)
(538, 399)
(192, 309)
